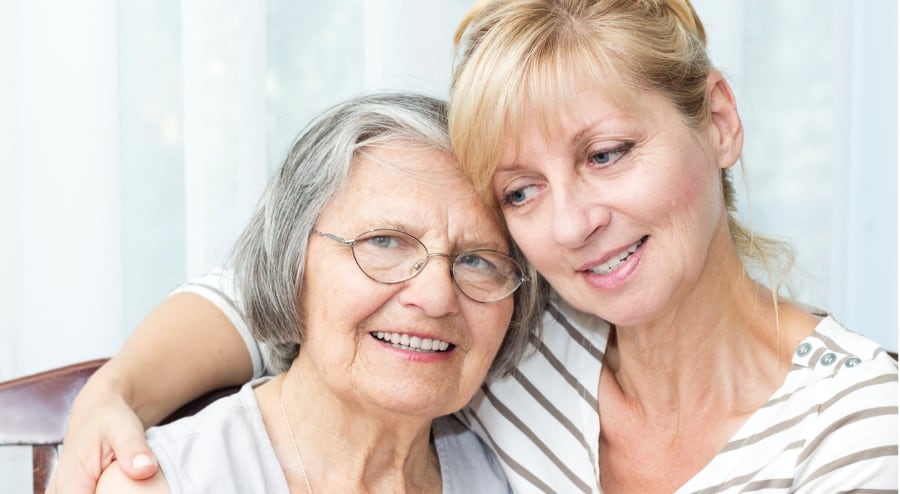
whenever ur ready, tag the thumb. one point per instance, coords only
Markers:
(139, 465)
(135, 458)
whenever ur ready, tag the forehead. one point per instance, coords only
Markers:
(588, 102)
(418, 190)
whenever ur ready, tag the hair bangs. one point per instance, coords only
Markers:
(559, 69)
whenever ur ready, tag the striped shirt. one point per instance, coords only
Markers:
(830, 428)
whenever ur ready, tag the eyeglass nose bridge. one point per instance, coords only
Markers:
(421, 263)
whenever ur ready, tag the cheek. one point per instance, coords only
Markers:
(696, 201)
(489, 325)
(337, 296)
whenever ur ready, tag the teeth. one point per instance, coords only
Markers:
(615, 261)
(414, 343)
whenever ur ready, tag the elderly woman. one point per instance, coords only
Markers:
(383, 286)
(605, 136)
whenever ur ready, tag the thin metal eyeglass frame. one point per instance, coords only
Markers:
(428, 255)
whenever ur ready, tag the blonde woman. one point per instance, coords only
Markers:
(605, 135)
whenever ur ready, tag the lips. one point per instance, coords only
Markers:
(618, 259)
(412, 343)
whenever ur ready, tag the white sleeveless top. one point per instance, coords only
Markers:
(225, 449)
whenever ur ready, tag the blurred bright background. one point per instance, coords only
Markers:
(136, 137)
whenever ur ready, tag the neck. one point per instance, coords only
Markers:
(700, 351)
(343, 447)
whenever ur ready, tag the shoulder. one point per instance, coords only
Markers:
(467, 464)
(843, 371)
(231, 430)
(236, 409)
(217, 286)
(114, 481)
(833, 352)
(847, 384)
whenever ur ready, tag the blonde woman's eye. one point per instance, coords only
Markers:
(518, 196)
(607, 157)
(603, 157)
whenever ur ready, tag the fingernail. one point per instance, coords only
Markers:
(141, 461)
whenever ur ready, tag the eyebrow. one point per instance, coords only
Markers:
(469, 242)
(596, 125)
(601, 124)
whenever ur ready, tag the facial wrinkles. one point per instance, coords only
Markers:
(576, 130)
(443, 211)
(640, 193)
(468, 222)
(439, 208)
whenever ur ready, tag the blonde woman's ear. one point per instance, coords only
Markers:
(725, 122)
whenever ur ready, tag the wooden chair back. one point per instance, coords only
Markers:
(34, 410)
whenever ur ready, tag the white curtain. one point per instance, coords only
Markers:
(136, 136)
(816, 83)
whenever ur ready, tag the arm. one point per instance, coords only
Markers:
(186, 335)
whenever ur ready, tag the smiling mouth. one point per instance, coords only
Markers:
(412, 343)
(617, 260)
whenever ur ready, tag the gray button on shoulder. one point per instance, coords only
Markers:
(852, 362)
(803, 350)
(828, 359)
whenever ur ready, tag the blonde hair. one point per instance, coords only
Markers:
(513, 55)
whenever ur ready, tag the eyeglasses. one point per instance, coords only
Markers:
(392, 256)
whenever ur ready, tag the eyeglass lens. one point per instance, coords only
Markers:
(392, 256)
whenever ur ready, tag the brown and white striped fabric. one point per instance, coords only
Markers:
(831, 427)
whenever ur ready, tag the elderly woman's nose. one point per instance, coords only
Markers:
(433, 290)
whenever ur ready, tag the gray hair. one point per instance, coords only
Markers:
(270, 254)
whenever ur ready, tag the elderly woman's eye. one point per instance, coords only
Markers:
(475, 261)
(398, 243)
(382, 241)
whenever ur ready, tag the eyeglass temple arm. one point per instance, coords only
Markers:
(333, 237)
